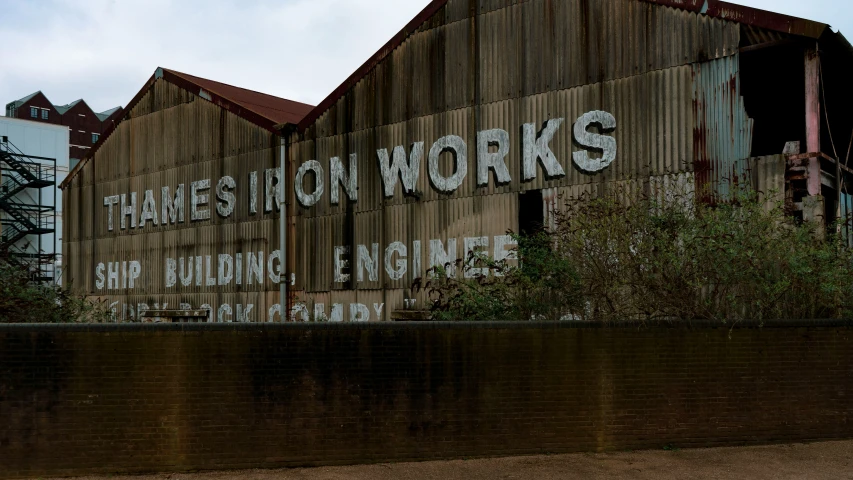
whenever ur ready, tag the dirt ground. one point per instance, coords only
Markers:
(829, 460)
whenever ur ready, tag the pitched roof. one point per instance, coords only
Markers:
(712, 8)
(21, 101)
(103, 116)
(276, 109)
(264, 110)
(64, 108)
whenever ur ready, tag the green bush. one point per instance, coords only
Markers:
(25, 301)
(643, 258)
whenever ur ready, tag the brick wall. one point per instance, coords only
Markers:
(77, 399)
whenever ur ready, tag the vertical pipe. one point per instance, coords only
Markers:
(282, 226)
(813, 118)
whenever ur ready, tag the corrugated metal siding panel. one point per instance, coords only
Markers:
(521, 62)
(655, 125)
(723, 135)
(522, 49)
(170, 139)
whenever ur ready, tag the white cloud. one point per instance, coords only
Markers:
(104, 50)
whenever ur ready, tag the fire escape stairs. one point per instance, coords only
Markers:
(22, 219)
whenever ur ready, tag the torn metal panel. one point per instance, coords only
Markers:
(722, 139)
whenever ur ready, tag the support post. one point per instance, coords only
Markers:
(813, 118)
(283, 279)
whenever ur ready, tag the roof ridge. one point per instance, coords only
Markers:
(232, 86)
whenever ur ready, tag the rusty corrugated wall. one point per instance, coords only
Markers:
(669, 77)
(173, 137)
(723, 132)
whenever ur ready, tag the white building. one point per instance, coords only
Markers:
(36, 146)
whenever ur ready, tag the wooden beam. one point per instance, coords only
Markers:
(812, 61)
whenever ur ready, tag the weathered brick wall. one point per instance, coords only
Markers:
(76, 400)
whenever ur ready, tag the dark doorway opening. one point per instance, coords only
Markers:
(531, 212)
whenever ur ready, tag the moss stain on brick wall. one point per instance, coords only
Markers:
(172, 398)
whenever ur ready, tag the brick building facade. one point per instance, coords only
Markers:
(85, 125)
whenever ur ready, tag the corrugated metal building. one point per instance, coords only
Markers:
(177, 206)
(469, 123)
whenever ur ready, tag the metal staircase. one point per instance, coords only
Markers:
(25, 214)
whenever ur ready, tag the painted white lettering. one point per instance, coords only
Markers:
(587, 139)
(309, 200)
(198, 199)
(171, 272)
(273, 191)
(538, 149)
(253, 193)
(487, 160)
(339, 177)
(369, 260)
(301, 310)
(342, 263)
(225, 269)
(238, 264)
(358, 313)
(109, 202)
(398, 167)
(209, 279)
(255, 268)
(186, 274)
(243, 314)
(337, 315)
(416, 259)
(320, 312)
(128, 211)
(459, 150)
(273, 311)
(274, 272)
(396, 273)
(225, 194)
(135, 270)
(112, 275)
(224, 310)
(173, 208)
(99, 273)
(199, 270)
(503, 254)
(149, 209)
(377, 307)
(473, 255)
(446, 259)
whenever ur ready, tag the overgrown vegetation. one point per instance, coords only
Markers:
(630, 258)
(25, 301)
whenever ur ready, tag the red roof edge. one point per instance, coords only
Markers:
(712, 8)
(765, 19)
(383, 52)
(177, 79)
(749, 15)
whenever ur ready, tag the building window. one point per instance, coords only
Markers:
(45, 113)
(34, 112)
(95, 138)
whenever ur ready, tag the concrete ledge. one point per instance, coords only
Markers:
(461, 325)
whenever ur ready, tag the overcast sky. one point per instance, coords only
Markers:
(104, 50)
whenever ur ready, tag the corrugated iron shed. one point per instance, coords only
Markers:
(754, 17)
(263, 110)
